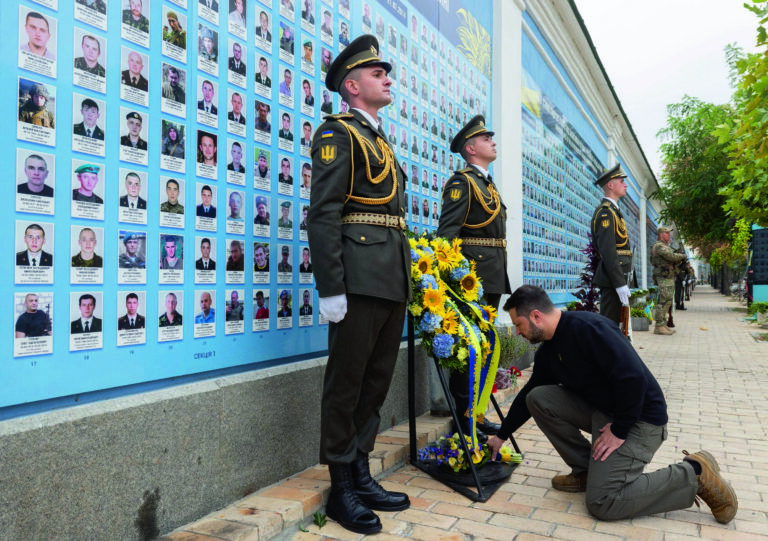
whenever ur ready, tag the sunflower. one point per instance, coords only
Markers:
(433, 301)
(491, 311)
(450, 323)
(470, 286)
(424, 264)
(444, 254)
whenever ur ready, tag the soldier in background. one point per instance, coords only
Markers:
(611, 239)
(664, 259)
(474, 212)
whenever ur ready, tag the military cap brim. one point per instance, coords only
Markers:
(614, 172)
(363, 51)
(473, 128)
(286, 250)
(88, 168)
(134, 115)
(133, 236)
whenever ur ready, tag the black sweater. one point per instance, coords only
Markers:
(589, 356)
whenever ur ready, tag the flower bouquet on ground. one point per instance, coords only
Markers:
(454, 327)
(449, 453)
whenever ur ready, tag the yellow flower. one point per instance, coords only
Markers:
(452, 462)
(506, 454)
(477, 456)
(444, 254)
(415, 309)
(433, 301)
(413, 244)
(462, 354)
(470, 286)
(450, 323)
(491, 311)
(424, 264)
(456, 246)
(415, 273)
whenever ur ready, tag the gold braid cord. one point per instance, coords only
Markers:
(384, 157)
(619, 227)
(484, 200)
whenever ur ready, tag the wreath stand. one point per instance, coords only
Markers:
(489, 478)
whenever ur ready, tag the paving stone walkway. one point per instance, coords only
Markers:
(715, 378)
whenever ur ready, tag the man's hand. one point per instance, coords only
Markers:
(623, 293)
(605, 444)
(494, 444)
(334, 308)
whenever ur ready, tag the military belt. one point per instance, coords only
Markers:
(369, 218)
(493, 243)
(624, 252)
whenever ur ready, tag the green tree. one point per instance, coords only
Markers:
(695, 170)
(745, 131)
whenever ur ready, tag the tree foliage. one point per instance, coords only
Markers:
(695, 170)
(745, 132)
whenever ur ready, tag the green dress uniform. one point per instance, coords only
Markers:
(664, 260)
(610, 238)
(472, 210)
(356, 232)
(142, 24)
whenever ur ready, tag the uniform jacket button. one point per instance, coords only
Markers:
(362, 239)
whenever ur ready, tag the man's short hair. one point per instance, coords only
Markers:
(236, 144)
(34, 227)
(528, 298)
(86, 297)
(88, 36)
(36, 15)
(171, 238)
(173, 69)
(205, 240)
(206, 187)
(176, 182)
(83, 230)
(235, 243)
(131, 296)
(89, 103)
(306, 166)
(285, 160)
(260, 294)
(307, 123)
(206, 82)
(133, 174)
(286, 115)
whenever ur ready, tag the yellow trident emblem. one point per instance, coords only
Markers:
(455, 194)
(328, 153)
(605, 223)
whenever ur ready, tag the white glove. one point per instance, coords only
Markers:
(334, 308)
(622, 292)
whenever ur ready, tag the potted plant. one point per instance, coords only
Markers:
(640, 318)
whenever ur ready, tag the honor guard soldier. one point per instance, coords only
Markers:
(611, 240)
(356, 230)
(474, 212)
(664, 260)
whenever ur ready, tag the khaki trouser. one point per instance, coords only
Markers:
(666, 293)
(617, 488)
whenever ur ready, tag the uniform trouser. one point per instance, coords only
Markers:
(679, 292)
(610, 304)
(362, 352)
(458, 382)
(617, 488)
(666, 292)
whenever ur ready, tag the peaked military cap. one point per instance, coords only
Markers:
(614, 172)
(135, 116)
(285, 250)
(363, 51)
(261, 200)
(286, 204)
(471, 129)
(88, 168)
(132, 236)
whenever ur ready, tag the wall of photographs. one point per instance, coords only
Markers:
(162, 171)
(562, 156)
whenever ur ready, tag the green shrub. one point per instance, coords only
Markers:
(512, 346)
(757, 308)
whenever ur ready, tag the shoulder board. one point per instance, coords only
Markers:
(338, 116)
(606, 204)
(466, 170)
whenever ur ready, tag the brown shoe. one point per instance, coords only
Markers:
(573, 482)
(716, 492)
(662, 329)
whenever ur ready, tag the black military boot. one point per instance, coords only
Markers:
(344, 505)
(372, 493)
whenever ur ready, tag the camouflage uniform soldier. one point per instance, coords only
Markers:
(664, 259)
(34, 109)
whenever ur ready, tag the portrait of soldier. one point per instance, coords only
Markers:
(97, 5)
(262, 30)
(306, 55)
(170, 318)
(285, 218)
(88, 176)
(207, 312)
(87, 256)
(235, 206)
(173, 33)
(171, 256)
(262, 166)
(235, 260)
(34, 109)
(286, 38)
(262, 118)
(172, 204)
(90, 60)
(237, 15)
(207, 150)
(207, 104)
(173, 140)
(285, 85)
(205, 262)
(132, 319)
(262, 213)
(285, 172)
(35, 173)
(132, 76)
(285, 304)
(87, 322)
(206, 209)
(32, 322)
(306, 308)
(208, 49)
(236, 113)
(260, 258)
(234, 310)
(236, 165)
(134, 17)
(262, 77)
(172, 88)
(34, 255)
(130, 258)
(285, 130)
(262, 310)
(306, 175)
(89, 109)
(235, 62)
(133, 137)
(38, 33)
(132, 198)
(284, 265)
(305, 266)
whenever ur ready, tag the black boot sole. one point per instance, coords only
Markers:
(353, 527)
(374, 507)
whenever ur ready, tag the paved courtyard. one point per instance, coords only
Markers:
(715, 378)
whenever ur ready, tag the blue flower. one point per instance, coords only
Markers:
(414, 255)
(430, 322)
(458, 273)
(441, 345)
(428, 282)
